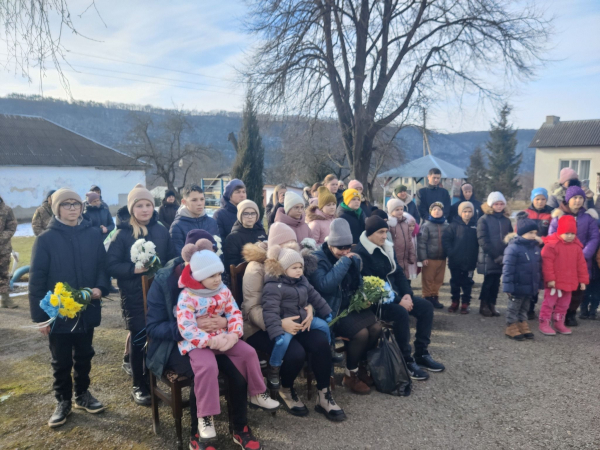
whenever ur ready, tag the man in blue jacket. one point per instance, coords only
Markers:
(69, 251)
(226, 215)
(191, 216)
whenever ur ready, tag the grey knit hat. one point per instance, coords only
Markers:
(339, 234)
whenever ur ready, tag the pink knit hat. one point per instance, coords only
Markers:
(567, 174)
(355, 184)
(280, 233)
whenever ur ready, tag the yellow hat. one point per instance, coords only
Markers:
(349, 194)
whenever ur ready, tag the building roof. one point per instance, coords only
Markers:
(419, 168)
(575, 133)
(34, 141)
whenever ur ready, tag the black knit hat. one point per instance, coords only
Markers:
(525, 225)
(170, 194)
(375, 223)
(379, 212)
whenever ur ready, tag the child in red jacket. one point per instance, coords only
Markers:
(564, 269)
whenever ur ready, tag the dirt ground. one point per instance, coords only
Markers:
(495, 394)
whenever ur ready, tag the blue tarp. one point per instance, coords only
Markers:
(419, 168)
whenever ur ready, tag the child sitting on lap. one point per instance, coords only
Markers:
(205, 295)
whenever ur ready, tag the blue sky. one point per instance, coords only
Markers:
(195, 46)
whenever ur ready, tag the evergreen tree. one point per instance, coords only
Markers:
(477, 174)
(503, 160)
(249, 162)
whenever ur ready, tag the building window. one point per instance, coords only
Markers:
(581, 166)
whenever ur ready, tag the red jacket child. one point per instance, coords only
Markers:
(563, 262)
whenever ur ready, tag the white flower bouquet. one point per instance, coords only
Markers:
(143, 254)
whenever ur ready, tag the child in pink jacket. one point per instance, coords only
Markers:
(205, 295)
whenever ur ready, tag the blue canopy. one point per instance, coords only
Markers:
(419, 168)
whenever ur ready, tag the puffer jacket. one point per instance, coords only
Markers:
(73, 255)
(167, 213)
(558, 196)
(299, 226)
(319, 223)
(8, 227)
(240, 236)
(161, 324)
(119, 265)
(460, 244)
(587, 230)
(564, 263)
(330, 275)
(41, 218)
(521, 266)
(254, 279)
(429, 243)
(492, 228)
(99, 215)
(476, 204)
(404, 248)
(184, 223)
(284, 297)
(271, 213)
(542, 217)
(356, 222)
(226, 217)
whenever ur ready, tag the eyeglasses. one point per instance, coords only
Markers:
(249, 214)
(72, 206)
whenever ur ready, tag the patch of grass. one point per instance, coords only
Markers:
(23, 246)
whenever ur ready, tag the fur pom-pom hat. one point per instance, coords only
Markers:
(188, 250)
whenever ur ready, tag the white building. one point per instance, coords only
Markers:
(574, 144)
(37, 155)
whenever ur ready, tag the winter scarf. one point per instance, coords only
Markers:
(347, 208)
(438, 221)
(196, 287)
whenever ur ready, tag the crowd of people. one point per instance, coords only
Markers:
(302, 272)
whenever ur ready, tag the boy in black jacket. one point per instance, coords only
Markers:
(461, 246)
(69, 251)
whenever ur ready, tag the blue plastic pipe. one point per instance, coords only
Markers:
(17, 275)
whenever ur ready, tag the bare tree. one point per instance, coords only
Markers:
(166, 147)
(32, 32)
(368, 61)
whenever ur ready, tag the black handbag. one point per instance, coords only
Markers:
(388, 368)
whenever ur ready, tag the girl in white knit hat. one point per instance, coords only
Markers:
(205, 295)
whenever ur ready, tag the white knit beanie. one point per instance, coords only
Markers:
(285, 256)
(204, 264)
(495, 197)
(394, 203)
(291, 199)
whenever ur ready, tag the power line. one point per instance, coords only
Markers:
(152, 67)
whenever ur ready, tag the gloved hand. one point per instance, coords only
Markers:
(231, 340)
(329, 318)
(279, 340)
(218, 342)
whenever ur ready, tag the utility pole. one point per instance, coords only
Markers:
(426, 148)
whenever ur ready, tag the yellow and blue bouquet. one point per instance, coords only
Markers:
(65, 302)
(374, 291)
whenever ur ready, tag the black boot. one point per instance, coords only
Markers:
(59, 417)
(570, 320)
(273, 377)
(141, 395)
(484, 309)
(435, 301)
(492, 308)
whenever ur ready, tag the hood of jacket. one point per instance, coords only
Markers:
(314, 213)
(274, 269)
(510, 237)
(56, 224)
(554, 239)
(282, 217)
(488, 210)
(182, 211)
(123, 216)
(393, 221)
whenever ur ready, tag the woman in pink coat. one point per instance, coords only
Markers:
(320, 216)
(404, 248)
(293, 215)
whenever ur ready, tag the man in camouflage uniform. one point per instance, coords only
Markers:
(8, 226)
(42, 215)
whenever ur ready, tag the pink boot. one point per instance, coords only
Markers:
(545, 327)
(559, 324)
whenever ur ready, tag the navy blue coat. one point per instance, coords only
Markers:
(182, 225)
(522, 267)
(161, 324)
(226, 217)
(327, 278)
(461, 245)
(99, 215)
(73, 255)
(432, 194)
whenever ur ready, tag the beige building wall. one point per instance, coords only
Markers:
(548, 163)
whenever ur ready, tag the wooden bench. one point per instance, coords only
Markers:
(173, 398)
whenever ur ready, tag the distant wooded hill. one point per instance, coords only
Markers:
(110, 124)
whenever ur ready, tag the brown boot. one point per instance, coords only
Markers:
(512, 331)
(363, 375)
(493, 310)
(6, 302)
(353, 383)
(484, 310)
(524, 330)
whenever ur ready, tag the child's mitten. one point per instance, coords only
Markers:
(329, 318)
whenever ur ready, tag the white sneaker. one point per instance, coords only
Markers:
(265, 402)
(207, 428)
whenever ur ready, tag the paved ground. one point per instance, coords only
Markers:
(495, 394)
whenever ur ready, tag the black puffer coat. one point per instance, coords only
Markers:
(119, 264)
(240, 236)
(492, 228)
(357, 224)
(476, 203)
(167, 213)
(73, 255)
(99, 215)
(461, 245)
(432, 194)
